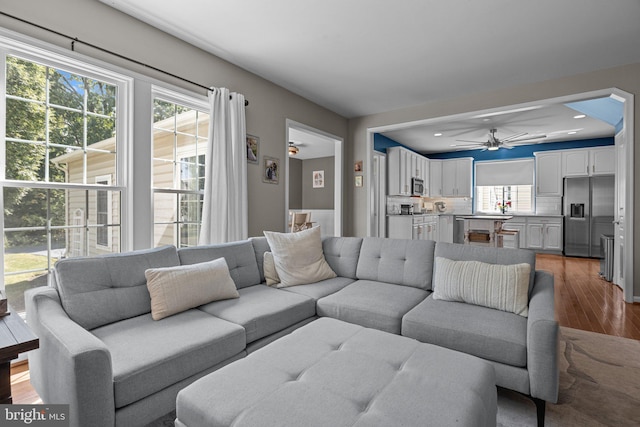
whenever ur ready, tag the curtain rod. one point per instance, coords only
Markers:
(75, 40)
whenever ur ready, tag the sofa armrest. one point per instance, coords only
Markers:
(542, 340)
(71, 366)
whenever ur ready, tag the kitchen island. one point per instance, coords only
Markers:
(482, 229)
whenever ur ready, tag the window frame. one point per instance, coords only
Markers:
(50, 56)
(201, 104)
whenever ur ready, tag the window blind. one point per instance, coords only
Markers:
(506, 172)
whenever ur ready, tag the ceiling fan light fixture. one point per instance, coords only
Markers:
(580, 116)
(293, 150)
(493, 148)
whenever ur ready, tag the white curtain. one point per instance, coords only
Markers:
(225, 212)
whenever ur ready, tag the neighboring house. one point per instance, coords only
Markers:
(178, 163)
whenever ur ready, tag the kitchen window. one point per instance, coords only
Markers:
(505, 186)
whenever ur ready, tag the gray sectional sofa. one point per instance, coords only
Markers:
(101, 352)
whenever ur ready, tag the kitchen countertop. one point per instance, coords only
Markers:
(486, 217)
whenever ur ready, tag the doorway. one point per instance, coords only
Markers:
(314, 177)
(624, 142)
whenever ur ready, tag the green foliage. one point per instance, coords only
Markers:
(78, 108)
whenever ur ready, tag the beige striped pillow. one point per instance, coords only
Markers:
(503, 287)
(177, 289)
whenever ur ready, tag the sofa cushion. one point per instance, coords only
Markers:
(260, 246)
(99, 290)
(342, 254)
(372, 304)
(148, 356)
(298, 257)
(269, 270)
(321, 289)
(179, 288)
(240, 258)
(263, 310)
(404, 262)
(503, 287)
(458, 252)
(484, 332)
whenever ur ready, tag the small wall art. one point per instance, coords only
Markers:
(358, 180)
(357, 167)
(253, 143)
(318, 179)
(271, 170)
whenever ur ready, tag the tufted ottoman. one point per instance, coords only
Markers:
(332, 373)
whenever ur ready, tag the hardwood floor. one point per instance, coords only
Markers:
(583, 301)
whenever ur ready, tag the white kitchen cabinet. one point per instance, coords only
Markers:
(435, 178)
(544, 233)
(575, 162)
(398, 172)
(602, 160)
(588, 161)
(548, 173)
(456, 177)
(425, 176)
(518, 224)
(402, 166)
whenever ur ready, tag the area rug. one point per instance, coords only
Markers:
(599, 386)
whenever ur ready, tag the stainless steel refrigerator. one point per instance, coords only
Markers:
(588, 208)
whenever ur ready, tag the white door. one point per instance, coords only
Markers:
(619, 213)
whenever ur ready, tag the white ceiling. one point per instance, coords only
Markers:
(555, 121)
(361, 57)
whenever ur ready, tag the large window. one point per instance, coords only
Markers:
(180, 135)
(504, 186)
(60, 144)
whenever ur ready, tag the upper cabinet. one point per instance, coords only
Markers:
(548, 173)
(456, 177)
(402, 166)
(588, 161)
(435, 178)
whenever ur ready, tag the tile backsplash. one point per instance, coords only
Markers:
(549, 205)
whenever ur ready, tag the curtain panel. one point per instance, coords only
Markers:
(225, 204)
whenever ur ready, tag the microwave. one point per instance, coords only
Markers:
(417, 186)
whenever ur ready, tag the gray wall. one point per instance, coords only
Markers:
(270, 105)
(318, 198)
(295, 183)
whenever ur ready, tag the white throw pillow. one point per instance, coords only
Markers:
(176, 289)
(269, 267)
(503, 287)
(298, 257)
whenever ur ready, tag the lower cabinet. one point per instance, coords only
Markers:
(518, 224)
(416, 227)
(544, 233)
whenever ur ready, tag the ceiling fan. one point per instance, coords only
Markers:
(493, 142)
(293, 149)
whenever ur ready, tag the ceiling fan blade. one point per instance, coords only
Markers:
(467, 140)
(512, 137)
(527, 140)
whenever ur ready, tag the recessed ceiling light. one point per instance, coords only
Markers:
(580, 116)
(573, 132)
(437, 134)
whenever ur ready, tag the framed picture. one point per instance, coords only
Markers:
(358, 180)
(357, 167)
(253, 142)
(318, 179)
(271, 173)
